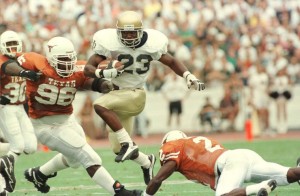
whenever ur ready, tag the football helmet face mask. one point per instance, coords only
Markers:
(173, 135)
(130, 28)
(61, 56)
(10, 44)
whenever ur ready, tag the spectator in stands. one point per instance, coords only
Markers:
(209, 116)
(174, 91)
(259, 96)
(281, 93)
(229, 109)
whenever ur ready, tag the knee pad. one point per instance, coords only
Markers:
(72, 163)
(30, 149)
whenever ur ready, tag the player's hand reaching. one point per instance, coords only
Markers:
(30, 75)
(4, 100)
(192, 82)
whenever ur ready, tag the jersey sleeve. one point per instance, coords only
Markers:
(104, 42)
(169, 152)
(157, 44)
(32, 61)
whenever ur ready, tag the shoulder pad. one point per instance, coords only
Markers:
(156, 40)
(104, 41)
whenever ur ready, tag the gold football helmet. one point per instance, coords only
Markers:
(130, 28)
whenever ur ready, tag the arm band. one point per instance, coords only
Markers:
(185, 74)
(99, 73)
(6, 63)
(96, 85)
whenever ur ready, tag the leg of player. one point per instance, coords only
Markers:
(128, 148)
(298, 165)
(100, 175)
(39, 176)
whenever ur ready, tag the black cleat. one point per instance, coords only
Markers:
(121, 191)
(127, 151)
(39, 180)
(148, 172)
(269, 187)
(7, 170)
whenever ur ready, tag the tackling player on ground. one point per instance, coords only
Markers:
(51, 87)
(135, 47)
(206, 161)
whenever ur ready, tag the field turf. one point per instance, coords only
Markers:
(77, 182)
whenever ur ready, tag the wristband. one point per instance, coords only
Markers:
(186, 73)
(97, 73)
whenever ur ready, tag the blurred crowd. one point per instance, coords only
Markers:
(223, 42)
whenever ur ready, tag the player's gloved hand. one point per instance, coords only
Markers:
(108, 73)
(4, 100)
(192, 82)
(30, 75)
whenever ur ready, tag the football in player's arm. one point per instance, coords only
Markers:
(207, 162)
(135, 47)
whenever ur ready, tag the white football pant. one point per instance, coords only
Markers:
(63, 134)
(243, 165)
(17, 129)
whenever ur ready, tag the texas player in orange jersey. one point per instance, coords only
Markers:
(206, 161)
(14, 122)
(54, 81)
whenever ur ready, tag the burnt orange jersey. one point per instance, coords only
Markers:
(195, 158)
(13, 87)
(51, 94)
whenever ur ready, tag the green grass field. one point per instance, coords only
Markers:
(77, 182)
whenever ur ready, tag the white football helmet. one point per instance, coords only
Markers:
(61, 55)
(127, 23)
(173, 135)
(10, 43)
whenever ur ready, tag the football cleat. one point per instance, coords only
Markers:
(148, 172)
(127, 151)
(7, 171)
(121, 191)
(268, 188)
(298, 165)
(39, 180)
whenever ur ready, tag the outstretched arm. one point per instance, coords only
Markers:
(164, 172)
(98, 84)
(91, 65)
(180, 69)
(13, 68)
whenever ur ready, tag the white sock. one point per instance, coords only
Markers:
(104, 179)
(4, 148)
(143, 160)
(53, 165)
(254, 188)
(123, 136)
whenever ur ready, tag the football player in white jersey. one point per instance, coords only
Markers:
(135, 47)
(14, 122)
